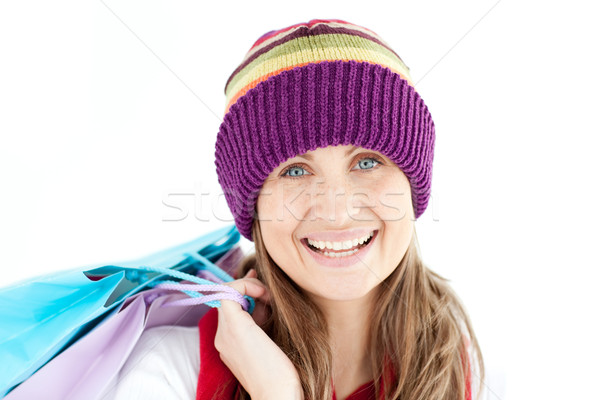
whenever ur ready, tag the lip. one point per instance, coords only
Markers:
(345, 261)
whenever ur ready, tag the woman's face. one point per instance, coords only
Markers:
(335, 198)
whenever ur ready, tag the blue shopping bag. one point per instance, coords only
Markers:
(42, 316)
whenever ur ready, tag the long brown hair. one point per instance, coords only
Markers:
(421, 331)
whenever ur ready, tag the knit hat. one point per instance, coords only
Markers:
(318, 84)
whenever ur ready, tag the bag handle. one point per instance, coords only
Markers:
(223, 292)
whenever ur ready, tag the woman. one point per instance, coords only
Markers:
(325, 157)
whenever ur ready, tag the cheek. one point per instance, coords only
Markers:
(394, 208)
(394, 203)
(281, 202)
(277, 226)
(272, 235)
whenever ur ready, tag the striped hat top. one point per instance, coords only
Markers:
(318, 84)
(296, 46)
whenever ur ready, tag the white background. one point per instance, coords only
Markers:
(109, 110)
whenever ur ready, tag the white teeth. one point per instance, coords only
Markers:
(340, 254)
(345, 245)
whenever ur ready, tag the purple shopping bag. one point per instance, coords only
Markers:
(86, 368)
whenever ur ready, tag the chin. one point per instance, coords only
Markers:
(350, 293)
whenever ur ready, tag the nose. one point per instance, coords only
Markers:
(338, 201)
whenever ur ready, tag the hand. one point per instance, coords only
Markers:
(257, 362)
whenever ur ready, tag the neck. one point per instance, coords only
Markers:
(348, 324)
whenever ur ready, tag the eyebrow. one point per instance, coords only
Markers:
(306, 156)
(310, 157)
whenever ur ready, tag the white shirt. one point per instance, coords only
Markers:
(163, 365)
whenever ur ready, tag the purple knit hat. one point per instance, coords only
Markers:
(318, 84)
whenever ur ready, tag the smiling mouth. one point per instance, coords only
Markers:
(339, 253)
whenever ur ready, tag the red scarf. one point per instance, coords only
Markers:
(217, 382)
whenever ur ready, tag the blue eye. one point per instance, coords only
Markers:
(294, 171)
(297, 171)
(367, 163)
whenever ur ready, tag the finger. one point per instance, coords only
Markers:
(250, 285)
(246, 287)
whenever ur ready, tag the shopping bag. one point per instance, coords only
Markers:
(42, 316)
(89, 367)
